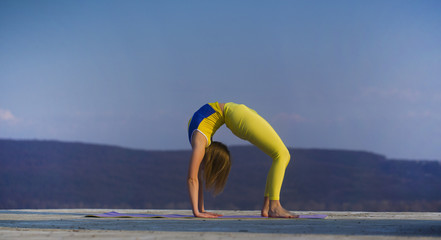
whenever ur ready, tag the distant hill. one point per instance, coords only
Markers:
(51, 174)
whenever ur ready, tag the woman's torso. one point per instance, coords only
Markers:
(207, 120)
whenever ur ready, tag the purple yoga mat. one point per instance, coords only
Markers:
(131, 215)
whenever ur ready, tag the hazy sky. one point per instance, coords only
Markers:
(357, 75)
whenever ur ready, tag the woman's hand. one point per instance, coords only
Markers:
(214, 214)
(206, 215)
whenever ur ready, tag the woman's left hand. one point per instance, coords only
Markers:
(214, 214)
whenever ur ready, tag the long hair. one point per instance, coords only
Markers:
(217, 165)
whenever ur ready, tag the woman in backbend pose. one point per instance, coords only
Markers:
(210, 161)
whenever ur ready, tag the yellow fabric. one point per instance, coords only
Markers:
(212, 123)
(248, 125)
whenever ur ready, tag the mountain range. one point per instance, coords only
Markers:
(54, 174)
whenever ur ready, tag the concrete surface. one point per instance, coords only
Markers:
(72, 224)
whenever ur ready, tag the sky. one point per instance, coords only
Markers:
(355, 75)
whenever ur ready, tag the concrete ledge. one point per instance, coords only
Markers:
(71, 223)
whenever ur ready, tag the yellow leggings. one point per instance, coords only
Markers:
(248, 125)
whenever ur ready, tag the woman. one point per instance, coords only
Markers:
(213, 158)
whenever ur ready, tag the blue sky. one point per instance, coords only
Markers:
(357, 75)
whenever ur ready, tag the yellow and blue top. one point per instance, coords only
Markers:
(207, 120)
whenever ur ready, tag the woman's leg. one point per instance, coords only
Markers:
(277, 172)
(247, 124)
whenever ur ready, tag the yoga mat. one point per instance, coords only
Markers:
(131, 215)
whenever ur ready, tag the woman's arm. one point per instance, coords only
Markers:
(198, 145)
(201, 198)
(201, 194)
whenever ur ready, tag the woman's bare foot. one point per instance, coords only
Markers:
(265, 207)
(280, 212)
(277, 211)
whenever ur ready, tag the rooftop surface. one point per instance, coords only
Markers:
(72, 224)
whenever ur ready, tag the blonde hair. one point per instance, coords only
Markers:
(217, 165)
